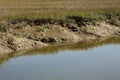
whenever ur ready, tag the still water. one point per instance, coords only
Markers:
(100, 63)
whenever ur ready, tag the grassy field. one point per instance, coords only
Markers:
(15, 9)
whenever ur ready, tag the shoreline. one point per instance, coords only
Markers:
(54, 49)
(17, 35)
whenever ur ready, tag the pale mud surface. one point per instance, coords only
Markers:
(22, 36)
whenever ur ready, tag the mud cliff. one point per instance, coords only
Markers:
(17, 35)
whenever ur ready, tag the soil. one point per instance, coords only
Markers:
(27, 35)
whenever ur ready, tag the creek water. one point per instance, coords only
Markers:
(99, 63)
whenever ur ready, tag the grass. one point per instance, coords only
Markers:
(35, 9)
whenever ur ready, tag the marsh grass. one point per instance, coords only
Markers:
(4, 26)
(35, 9)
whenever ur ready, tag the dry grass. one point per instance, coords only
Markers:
(56, 8)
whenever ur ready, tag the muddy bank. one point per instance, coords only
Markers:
(56, 48)
(17, 35)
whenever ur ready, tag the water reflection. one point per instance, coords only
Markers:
(80, 61)
(55, 49)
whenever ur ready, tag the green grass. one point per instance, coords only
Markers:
(34, 9)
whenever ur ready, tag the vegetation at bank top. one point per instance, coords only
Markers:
(57, 9)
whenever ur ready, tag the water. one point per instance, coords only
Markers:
(99, 63)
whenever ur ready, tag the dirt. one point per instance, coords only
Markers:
(17, 36)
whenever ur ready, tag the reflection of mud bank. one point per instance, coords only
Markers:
(56, 48)
(26, 35)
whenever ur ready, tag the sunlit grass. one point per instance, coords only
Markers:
(32, 9)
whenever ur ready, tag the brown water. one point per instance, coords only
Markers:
(100, 63)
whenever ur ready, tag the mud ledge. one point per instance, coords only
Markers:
(17, 35)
